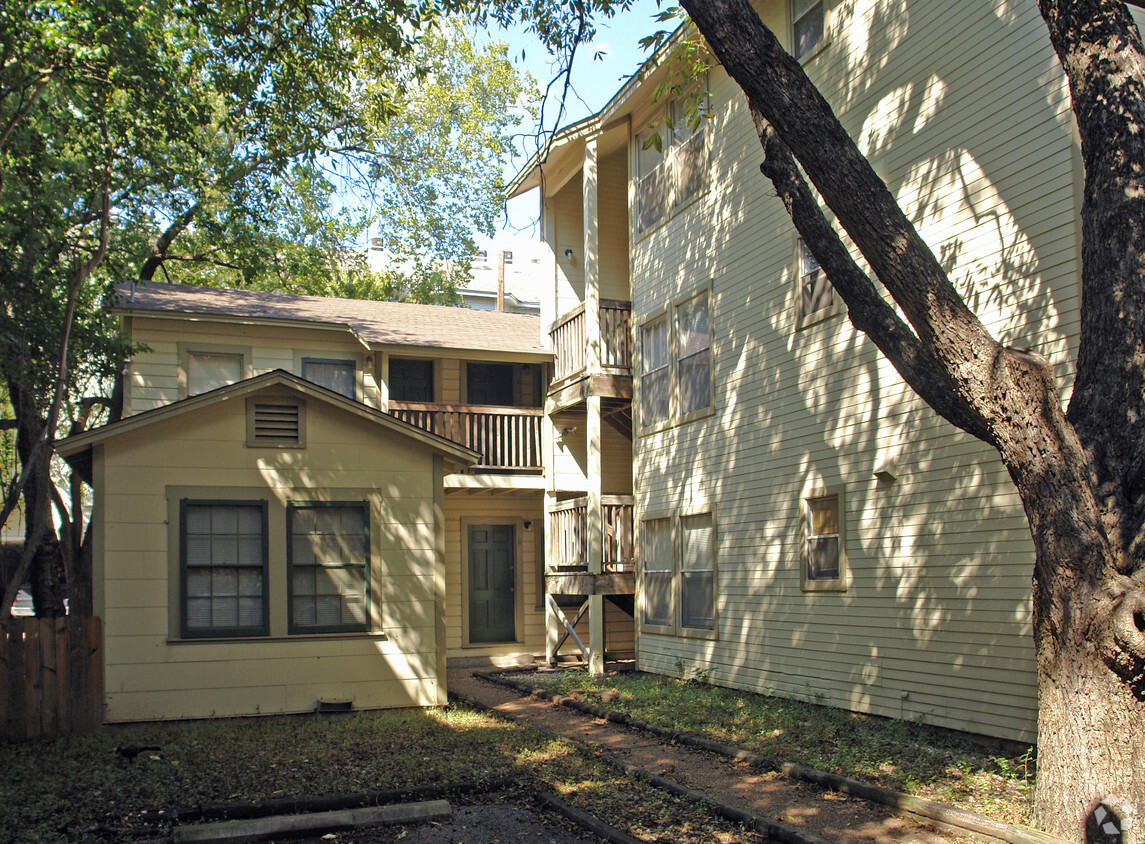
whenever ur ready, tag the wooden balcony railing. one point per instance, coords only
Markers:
(568, 523)
(508, 438)
(570, 345)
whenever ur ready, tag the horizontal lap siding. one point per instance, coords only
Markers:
(152, 675)
(935, 623)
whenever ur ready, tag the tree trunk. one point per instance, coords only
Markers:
(47, 586)
(1091, 749)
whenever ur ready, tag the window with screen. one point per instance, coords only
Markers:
(693, 356)
(807, 26)
(329, 562)
(336, 375)
(224, 568)
(655, 383)
(824, 557)
(697, 572)
(411, 379)
(656, 560)
(208, 371)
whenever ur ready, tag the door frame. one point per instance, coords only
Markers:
(518, 526)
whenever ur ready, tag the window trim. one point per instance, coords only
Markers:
(231, 632)
(354, 362)
(675, 519)
(672, 314)
(824, 40)
(292, 628)
(836, 584)
(802, 321)
(187, 348)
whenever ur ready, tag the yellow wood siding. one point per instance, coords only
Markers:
(964, 113)
(151, 674)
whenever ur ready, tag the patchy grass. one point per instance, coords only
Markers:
(62, 790)
(912, 758)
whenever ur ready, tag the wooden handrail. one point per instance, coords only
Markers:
(505, 437)
(499, 410)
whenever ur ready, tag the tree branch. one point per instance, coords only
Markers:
(866, 308)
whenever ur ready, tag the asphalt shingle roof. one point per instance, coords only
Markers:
(376, 323)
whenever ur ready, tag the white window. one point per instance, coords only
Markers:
(675, 373)
(336, 375)
(224, 568)
(693, 356)
(652, 179)
(678, 575)
(807, 25)
(815, 292)
(656, 555)
(672, 160)
(655, 384)
(329, 562)
(824, 557)
(208, 371)
(697, 572)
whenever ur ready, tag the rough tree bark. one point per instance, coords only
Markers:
(1081, 476)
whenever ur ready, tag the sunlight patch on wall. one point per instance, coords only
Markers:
(962, 216)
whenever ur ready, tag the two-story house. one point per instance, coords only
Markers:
(803, 524)
(313, 499)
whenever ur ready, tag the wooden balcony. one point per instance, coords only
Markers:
(570, 344)
(508, 438)
(567, 569)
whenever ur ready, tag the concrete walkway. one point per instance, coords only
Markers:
(833, 816)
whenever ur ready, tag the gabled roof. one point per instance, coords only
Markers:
(373, 323)
(76, 450)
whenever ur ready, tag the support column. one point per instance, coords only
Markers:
(591, 192)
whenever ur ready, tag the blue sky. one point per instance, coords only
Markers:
(599, 71)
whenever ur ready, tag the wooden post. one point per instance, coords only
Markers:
(591, 193)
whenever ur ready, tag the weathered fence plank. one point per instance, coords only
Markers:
(53, 677)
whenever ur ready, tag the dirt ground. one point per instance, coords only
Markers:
(833, 816)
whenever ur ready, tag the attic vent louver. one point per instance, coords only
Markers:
(275, 422)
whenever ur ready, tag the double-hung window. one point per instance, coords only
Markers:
(693, 356)
(672, 160)
(655, 379)
(223, 550)
(807, 26)
(675, 383)
(824, 555)
(336, 375)
(329, 564)
(678, 575)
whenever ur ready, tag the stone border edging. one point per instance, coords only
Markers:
(332, 802)
(581, 818)
(772, 829)
(280, 826)
(929, 809)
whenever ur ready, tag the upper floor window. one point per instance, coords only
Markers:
(411, 379)
(815, 291)
(693, 356)
(807, 25)
(655, 385)
(672, 164)
(207, 366)
(208, 371)
(336, 375)
(675, 374)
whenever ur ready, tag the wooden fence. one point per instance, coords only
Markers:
(51, 671)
